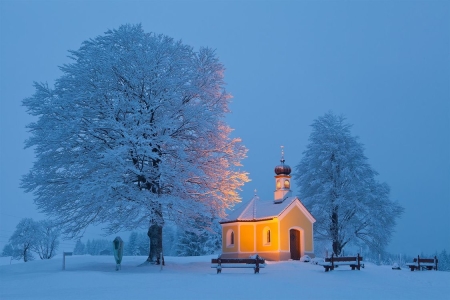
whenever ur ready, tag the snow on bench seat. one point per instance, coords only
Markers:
(255, 262)
(423, 264)
(353, 261)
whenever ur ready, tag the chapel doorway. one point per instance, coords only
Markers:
(295, 244)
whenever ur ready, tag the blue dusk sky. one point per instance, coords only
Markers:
(385, 65)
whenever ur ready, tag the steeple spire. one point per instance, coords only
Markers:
(282, 180)
(282, 169)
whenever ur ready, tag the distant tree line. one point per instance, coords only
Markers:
(33, 237)
(389, 259)
(41, 238)
(93, 247)
(176, 242)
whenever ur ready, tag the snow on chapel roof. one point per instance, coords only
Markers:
(258, 210)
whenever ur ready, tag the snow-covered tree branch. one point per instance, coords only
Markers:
(132, 134)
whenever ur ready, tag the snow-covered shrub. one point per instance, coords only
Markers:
(305, 258)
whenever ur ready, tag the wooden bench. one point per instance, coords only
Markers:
(256, 263)
(423, 264)
(333, 262)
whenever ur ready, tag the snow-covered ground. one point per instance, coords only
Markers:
(94, 277)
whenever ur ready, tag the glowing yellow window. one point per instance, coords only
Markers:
(230, 238)
(266, 236)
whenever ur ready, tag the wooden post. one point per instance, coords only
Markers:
(359, 264)
(257, 264)
(219, 265)
(64, 258)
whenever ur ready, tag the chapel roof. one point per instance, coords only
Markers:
(258, 210)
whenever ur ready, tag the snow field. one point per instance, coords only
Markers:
(94, 277)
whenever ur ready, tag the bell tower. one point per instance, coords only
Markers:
(282, 180)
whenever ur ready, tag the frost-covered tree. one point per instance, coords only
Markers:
(170, 240)
(138, 244)
(96, 246)
(143, 243)
(131, 246)
(80, 248)
(443, 261)
(8, 250)
(201, 241)
(133, 134)
(24, 239)
(47, 240)
(339, 188)
(88, 247)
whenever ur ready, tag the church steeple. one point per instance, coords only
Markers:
(282, 180)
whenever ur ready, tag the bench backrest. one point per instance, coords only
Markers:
(425, 260)
(343, 259)
(237, 260)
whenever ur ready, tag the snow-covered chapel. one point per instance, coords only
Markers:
(278, 229)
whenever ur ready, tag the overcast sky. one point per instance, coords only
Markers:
(384, 65)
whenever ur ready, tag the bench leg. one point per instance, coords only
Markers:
(353, 268)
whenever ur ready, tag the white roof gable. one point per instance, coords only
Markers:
(258, 209)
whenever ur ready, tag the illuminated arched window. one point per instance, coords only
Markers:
(230, 238)
(266, 236)
(287, 184)
(278, 184)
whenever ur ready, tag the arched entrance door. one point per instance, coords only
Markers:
(295, 243)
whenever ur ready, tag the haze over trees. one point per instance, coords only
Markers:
(47, 242)
(340, 189)
(40, 237)
(94, 247)
(133, 134)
